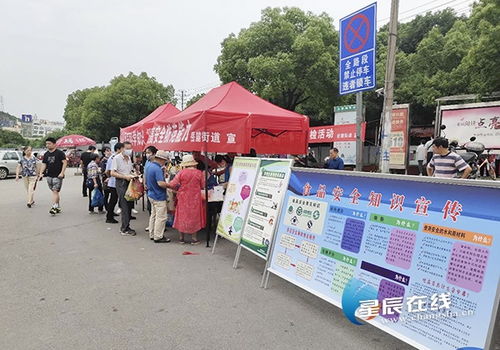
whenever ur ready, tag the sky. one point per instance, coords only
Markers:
(51, 48)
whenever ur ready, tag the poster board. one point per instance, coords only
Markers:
(481, 120)
(238, 193)
(399, 137)
(265, 205)
(347, 149)
(395, 241)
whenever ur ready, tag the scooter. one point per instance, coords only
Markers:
(469, 152)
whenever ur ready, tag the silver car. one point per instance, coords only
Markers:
(8, 163)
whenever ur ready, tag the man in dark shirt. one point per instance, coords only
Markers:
(53, 166)
(334, 162)
(84, 162)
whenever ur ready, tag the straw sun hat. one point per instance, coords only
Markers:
(188, 160)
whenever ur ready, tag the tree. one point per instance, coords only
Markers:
(74, 108)
(194, 99)
(100, 112)
(289, 57)
(11, 139)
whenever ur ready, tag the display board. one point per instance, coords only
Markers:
(265, 205)
(238, 194)
(347, 149)
(399, 137)
(481, 120)
(415, 257)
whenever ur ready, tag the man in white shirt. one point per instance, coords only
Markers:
(429, 149)
(122, 169)
(421, 157)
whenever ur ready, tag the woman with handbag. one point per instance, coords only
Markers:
(189, 211)
(94, 183)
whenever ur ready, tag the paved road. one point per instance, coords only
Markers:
(72, 282)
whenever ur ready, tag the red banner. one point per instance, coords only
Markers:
(335, 133)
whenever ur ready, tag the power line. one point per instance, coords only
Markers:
(428, 9)
(434, 8)
(427, 3)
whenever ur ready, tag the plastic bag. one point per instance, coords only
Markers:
(97, 199)
(135, 190)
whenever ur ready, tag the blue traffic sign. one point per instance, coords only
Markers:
(26, 118)
(357, 50)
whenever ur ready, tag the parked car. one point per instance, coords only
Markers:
(8, 163)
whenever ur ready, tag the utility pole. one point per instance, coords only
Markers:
(389, 89)
(182, 100)
(359, 122)
(1, 104)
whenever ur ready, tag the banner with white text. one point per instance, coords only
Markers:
(417, 259)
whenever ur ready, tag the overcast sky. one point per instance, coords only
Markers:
(50, 48)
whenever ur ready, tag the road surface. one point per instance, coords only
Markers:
(72, 282)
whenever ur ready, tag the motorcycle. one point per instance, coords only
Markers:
(471, 153)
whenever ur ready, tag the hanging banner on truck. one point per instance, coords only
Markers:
(335, 133)
(265, 205)
(417, 258)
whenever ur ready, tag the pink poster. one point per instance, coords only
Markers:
(483, 123)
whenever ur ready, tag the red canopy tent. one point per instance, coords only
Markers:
(74, 141)
(136, 133)
(232, 119)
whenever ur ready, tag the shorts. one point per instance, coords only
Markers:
(54, 183)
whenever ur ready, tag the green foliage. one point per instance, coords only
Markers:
(289, 57)
(74, 107)
(194, 99)
(11, 139)
(100, 112)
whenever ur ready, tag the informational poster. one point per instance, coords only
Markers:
(347, 149)
(238, 194)
(417, 259)
(265, 205)
(399, 137)
(481, 120)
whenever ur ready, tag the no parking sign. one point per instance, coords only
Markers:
(357, 50)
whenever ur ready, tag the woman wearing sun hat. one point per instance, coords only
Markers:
(189, 212)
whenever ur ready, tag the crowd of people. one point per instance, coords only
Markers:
(174, 188)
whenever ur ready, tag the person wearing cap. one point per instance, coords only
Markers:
(189, 212)
(157, 194)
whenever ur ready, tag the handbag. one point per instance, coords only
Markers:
(135, 190)
(97, 199)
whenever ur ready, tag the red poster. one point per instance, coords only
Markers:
(399, 137)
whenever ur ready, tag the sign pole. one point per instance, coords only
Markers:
(359, 121)
(389, 89)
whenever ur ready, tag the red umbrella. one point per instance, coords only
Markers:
(74, 141)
